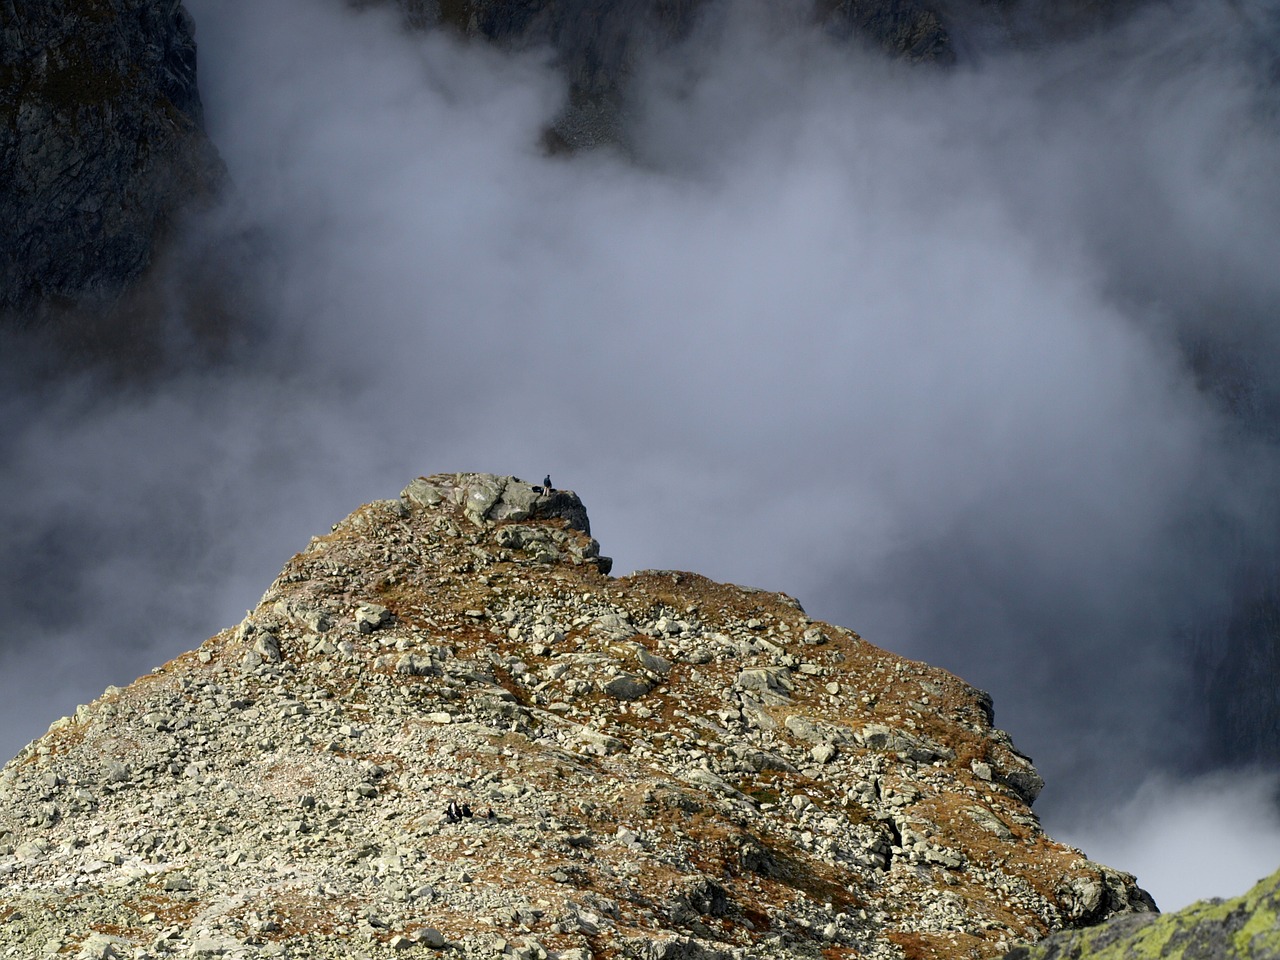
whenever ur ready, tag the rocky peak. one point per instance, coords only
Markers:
(446, 730)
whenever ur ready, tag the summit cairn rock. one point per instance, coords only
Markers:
(486, 498)
(445, 730)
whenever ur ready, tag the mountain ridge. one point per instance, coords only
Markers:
(656, 766)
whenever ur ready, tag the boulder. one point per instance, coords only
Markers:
(626, 686)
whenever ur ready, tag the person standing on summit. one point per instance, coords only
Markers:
(546, 484)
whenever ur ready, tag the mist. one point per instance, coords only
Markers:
(938, 352)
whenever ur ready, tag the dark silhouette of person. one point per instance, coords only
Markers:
(546, 484)
(453, 813)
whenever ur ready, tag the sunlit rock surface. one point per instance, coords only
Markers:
(101, 145)
(649, 766)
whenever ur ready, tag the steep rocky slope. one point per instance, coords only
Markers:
(658, 766)
(1247, 928)
(101, 144)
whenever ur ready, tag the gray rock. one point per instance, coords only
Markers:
(614, 626)
(415, 666)
(659, 666)
(878, 736)
(802, 729)
(487, 497)
(101, 946)
(538, 542)
(626, 686)
(598, 744)
(423, 492)
(989, 821)
(824, 752)
(267, 646)
(772, 684)
(213, 946)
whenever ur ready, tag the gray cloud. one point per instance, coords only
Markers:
(1227, 829)
(926, 349)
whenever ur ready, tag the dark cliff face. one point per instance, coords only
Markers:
(102, 147)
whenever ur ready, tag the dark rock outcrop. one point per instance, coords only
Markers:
(102, 147)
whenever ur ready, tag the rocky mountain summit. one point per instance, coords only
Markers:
(598, 45)
(446, 730)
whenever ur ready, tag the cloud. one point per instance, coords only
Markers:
(1185, 839)
(926, 349)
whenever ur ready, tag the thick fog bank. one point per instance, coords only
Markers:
(981, 362)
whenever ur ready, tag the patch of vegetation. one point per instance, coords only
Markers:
(762, 794)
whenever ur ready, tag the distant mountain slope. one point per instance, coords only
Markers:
(101, 145)
(656, 766)
(598, 45)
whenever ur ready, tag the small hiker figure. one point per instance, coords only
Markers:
(466, 810)
(546, 485)
(453, 813)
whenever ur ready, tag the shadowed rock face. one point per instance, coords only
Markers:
(598, 44)
(674, 768)
(1243, 928)
(101, 146)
